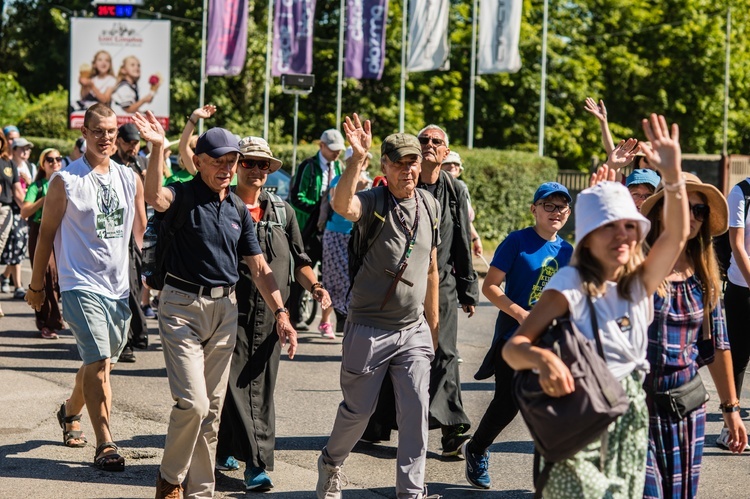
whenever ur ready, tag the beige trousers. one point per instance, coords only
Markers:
(198, 335)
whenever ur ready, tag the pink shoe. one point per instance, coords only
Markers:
(326, 330)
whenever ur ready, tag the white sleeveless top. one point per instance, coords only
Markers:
(91, 245)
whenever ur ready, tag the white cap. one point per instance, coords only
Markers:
(453, 157)
(604, 203)
(333, 139)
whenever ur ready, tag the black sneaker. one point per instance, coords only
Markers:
(453, 441)
(127, 355)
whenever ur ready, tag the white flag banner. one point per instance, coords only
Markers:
(428, 35)
(499, 31)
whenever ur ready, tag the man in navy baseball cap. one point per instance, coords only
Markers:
(217, 142)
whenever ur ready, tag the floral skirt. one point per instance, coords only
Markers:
(617, 470)
(15, 249)
(336, 269)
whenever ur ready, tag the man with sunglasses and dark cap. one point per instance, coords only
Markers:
(128, 144)
(392, 323)
(458, 285)
(198, 306)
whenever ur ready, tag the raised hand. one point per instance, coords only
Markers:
(359, 135)
(203, 113)
(149, 128)
(665, 153)
(623, 154)
(598, 110)
(602, 174)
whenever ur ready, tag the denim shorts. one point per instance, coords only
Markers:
(99, 324)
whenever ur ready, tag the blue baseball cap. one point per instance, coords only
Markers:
(643, 176)
(217, 142)
(10, 128)
(549, 188)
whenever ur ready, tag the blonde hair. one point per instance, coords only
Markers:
(41, 173)
(699, 251)
(592, 271)
(94, 71)
(121, 74)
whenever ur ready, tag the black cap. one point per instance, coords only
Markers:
(129, 132)
(217, 142)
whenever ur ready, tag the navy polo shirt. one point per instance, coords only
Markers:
(206, 249)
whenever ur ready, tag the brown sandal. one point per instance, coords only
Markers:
(69, 436)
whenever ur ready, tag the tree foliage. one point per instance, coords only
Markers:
(640, 56)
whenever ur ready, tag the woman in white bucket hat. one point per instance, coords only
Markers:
(609, 267)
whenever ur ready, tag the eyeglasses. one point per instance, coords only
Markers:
(260, 164)
(700, 211)
(642, 197)
(55, 159)
(98, 133)
(551, 207)
(426, 140)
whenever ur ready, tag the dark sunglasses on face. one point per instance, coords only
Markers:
(551, 207)
(55, 159)
(260, 164)
(426, 140)
(700, 211)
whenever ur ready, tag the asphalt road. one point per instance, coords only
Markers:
(37, 375)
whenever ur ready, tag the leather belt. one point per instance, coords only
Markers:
(189, 287)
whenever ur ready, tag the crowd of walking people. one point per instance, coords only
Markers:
(231, 260)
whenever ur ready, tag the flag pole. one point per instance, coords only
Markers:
(543, 94)
(340, 77)
(727, 61)
(473, 77)
(202, 95)
(402, 93)
(269, 55)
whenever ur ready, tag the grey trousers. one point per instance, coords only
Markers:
(368, 354)
(198, 336)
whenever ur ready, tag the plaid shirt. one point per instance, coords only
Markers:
(675, 351)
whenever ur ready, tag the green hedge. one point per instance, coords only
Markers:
(502, 186)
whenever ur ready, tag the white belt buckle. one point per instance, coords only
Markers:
(217, 292)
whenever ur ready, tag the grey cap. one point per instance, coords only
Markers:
(333, 139)
(21, 142)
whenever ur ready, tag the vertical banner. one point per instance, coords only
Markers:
(124, 63)
(499, 31)
(227, 37)
(428, 35)
(365, 38)
(293, 37)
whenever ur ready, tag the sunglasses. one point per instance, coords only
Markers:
(55, 159)
(700, 211)
(260, 164)
(426, 140)
(552, 207)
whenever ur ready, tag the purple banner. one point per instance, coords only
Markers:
(293, 37)
(365, 38)
(227, 37)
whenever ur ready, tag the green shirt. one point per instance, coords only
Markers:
(35, 191)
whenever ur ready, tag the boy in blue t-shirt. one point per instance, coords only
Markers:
(525, 261)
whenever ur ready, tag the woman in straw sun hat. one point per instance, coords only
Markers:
(688, 331)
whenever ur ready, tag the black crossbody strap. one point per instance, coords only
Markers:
(595, 326)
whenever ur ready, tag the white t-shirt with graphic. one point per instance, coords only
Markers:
(623, 325)
(736, 202)
(91, 245)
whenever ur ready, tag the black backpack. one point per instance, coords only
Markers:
(163, 226)
(722, 247)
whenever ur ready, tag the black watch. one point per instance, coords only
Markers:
(315, 286)
(282, 310)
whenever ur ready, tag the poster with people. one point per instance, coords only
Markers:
(121, 62)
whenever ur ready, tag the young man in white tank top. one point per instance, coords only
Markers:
(91, 208)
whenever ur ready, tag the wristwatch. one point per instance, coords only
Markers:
(315, 286)
(281, 310)
(730, 407)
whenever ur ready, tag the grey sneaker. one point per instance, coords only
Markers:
(433, 496)
(330, 480)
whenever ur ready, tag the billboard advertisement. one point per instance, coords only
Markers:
(123, 63)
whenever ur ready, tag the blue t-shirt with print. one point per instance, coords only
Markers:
(529, 262)
(337, 223)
